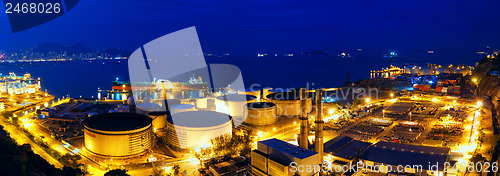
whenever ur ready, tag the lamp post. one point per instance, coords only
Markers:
(410, 116)
(383, 113)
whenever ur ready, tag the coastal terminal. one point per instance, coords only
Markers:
(172, 121)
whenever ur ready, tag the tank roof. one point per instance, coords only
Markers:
(260, 105)
(236, 97)
(119, 121)
(198, 119)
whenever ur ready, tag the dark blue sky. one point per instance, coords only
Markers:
(238, 26)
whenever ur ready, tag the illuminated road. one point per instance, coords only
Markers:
(21, 138)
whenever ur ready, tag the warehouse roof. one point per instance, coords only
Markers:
(405, 154)
(290, 149)
(345, 147)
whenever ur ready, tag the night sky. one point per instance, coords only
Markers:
(236, 26)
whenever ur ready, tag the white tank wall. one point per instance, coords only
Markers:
(233, 108)
(182, 108)
(202, 103)
(190, 138)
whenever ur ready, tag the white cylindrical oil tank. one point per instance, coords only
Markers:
(192, 129)
(145, 108)
(261, 113)
(234, 105)
(181, 108)
(202, 103)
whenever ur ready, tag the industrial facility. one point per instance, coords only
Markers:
(118, 134)
(261, 113)
(273, 157)
(188, 130)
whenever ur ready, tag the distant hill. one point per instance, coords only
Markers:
(49, 47)
(114, 52)
(78, 48)
(59, 48)
(315, 52)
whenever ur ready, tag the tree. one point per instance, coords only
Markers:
(116, 172)
(72, 171)
(220, 144)
(177, 169)
(70, 160)
(7, 114)
(477, 158)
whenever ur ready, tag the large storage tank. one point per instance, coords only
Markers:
(288, 103)
(268, 91)
(202, 103)
(170, 102)
(159, 120)
(145, 108)
(188, 130)
(234, 105)
(181, 108)
(250, 91)
(118, 134)
(261, 113)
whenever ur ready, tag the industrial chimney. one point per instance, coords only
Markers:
(319, 124)
(303, 119)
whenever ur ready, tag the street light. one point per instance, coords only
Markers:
(392, 95)
(410, 116)
(367, 100)
(383, 113)
(479, 104)
(330, 111)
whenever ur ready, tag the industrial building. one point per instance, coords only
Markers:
(345, 149)
(13, 84)
(273, 157)
(188, 130)
(392, 155)
(118, 134)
